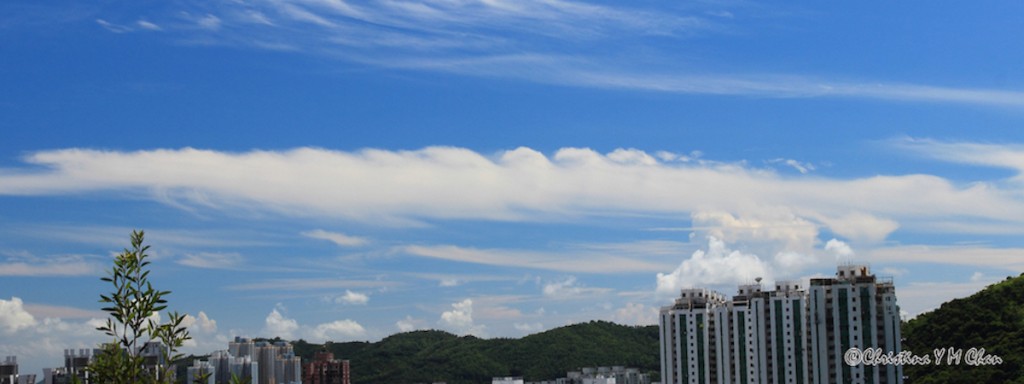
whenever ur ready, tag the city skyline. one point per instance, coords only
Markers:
(345, 170)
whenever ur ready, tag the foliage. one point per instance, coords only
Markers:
(992, 319)
(430, 356)
(235, 379)
(134, 307)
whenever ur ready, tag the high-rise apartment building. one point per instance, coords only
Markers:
(227, 366)
(690, 343)
(261, 362)
(784, 336)
(853, 310)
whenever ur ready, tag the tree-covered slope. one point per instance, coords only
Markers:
(992, 319)
(429, 356)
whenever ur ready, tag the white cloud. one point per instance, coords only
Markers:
(340, 239)
(14, 317)
(801, 167)
(36, 340)
(569, 288)
(409, 324)
(289, 329)
(403, 187)
(918, 297)
(209, 21)
(1010, 156)
(460, 319)
(499, 38)
(636, 314)
(276, 325)
(148, 25)
(449, 282)
(766, 230)
(212, 260)
(79, 268)
(978, 277)
(1011, 259)
(353, 298)
(841, 250)
(528, 328)
(56, 311)
(337, 330)
(717, 265)
(577, 261)
(115, 28)
(312, 284)
(201, 323)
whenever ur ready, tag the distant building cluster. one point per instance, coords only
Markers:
(260, 362)
(602, 375)
(588, 375)
(76, 361)
(785, 336)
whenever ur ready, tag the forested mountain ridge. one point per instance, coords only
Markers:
(430, 356)
(992, 318)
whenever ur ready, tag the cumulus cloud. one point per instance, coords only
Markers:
(636, 314)
(278, 325)
(340, 239)
(353, 298)
(200, 322)
(841, 250)
(14, 317)
(717, 265)
(409, 324)
(337, 330)
(460, 319)
(37, 339)
(767, 230)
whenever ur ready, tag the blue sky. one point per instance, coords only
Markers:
(335, 170)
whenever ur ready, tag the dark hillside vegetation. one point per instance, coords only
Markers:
(992, 319)
(429, 356)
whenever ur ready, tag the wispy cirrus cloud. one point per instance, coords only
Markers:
(212, 260)
(340, 239)
(554, 261)
(1001, 155)
(542, 41)
(300, 284)
(27, 264)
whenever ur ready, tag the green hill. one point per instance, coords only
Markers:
(992, 319)
(428, 356)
